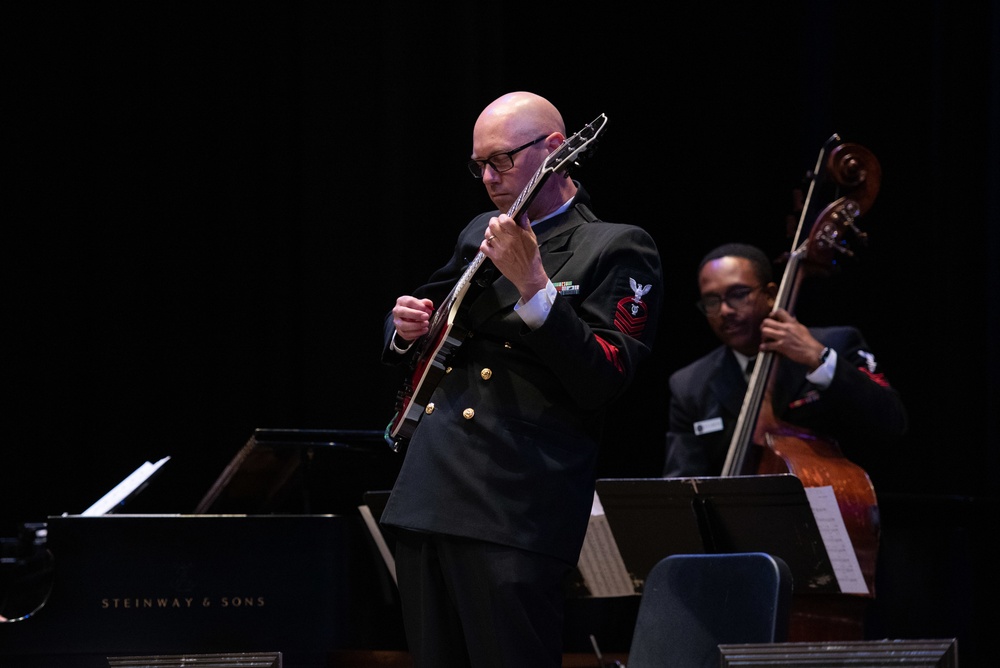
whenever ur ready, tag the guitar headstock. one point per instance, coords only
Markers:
(575, 148)
(569, 154)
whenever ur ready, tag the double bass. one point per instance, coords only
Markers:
(762, 444)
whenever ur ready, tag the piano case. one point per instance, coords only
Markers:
(141, 584)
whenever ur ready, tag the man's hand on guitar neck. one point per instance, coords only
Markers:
(513, 249)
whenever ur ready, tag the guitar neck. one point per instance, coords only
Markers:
(528, 194)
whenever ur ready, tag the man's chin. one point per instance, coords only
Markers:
(502, 201)
(735, 339)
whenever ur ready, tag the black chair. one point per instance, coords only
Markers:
(693, 602)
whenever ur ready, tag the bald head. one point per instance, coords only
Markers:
(517, 117)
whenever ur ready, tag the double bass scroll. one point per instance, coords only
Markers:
(852, 176)
(853, 167)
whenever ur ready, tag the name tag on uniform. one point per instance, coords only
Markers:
(708, 426)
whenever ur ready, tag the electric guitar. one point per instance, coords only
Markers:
(429, 362)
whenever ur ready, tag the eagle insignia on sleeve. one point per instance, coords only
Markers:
(631, 313)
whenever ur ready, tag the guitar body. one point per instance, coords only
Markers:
(429, 363)
(429, 367)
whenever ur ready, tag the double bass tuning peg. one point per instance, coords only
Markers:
(828, 239)
(859, 235)
(835, 231)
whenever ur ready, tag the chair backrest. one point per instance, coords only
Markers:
(693, 602)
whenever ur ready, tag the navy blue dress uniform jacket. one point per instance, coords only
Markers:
(508, 453)
(858, 410)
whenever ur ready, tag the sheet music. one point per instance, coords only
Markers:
(121, 491)
(600, 562)
(838, 543)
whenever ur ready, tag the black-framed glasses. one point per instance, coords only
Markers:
(500, 162)
(736, 298)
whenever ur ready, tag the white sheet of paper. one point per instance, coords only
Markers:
(124, 488)
(838, 543)
(600, 562)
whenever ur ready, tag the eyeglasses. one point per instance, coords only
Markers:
(500, 162)
(735, 298)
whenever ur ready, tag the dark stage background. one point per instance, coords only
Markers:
(215, 205)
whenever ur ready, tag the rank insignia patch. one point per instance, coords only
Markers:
(631, 314)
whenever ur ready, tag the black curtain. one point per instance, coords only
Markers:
(215, 205)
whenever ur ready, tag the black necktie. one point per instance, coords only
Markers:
(749, 368)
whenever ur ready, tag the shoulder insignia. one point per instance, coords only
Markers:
(631, 313)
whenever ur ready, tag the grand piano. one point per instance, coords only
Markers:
(275, 558)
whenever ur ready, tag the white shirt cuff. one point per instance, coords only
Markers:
(823, 376)
(536, 310)
(397, 349)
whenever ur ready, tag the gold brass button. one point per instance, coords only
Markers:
(486, 373)
(468, 413)
(447, 370)
(429, 408)
(506, 344)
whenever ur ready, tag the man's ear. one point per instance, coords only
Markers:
(772, 292)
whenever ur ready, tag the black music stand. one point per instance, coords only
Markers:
(652, 518)
(302, 471)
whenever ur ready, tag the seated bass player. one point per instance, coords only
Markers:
(829, 380)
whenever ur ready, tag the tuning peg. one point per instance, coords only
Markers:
(859, 235)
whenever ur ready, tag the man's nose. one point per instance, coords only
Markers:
(490, 174)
